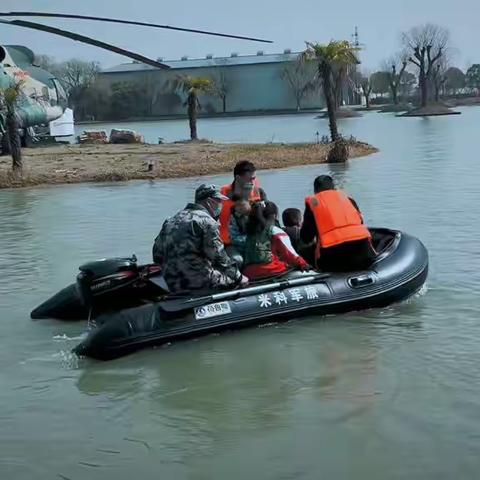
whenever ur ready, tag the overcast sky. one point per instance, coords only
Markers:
(287, 23)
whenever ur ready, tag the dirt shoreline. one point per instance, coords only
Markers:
(183, 116)
(68, 164)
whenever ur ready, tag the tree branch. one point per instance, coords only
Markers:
(416, 52)
(438, 55)
(402, 71)
(414, 62)
(429, 49)
(431, 61)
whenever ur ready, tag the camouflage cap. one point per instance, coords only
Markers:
(208, 191)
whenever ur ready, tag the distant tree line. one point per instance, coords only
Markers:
(390, 86)
(421, 72)
(92, 99)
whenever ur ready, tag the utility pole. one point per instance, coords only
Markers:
(356, 94)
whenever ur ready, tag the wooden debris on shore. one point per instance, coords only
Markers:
(117, 136)
(93, 137)
(125, 136)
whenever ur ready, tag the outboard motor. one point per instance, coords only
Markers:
(102, 286)
(111, 279)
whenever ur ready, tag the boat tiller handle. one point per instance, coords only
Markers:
(360, 281)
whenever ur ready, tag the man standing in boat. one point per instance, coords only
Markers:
(190, 250)
(343, 242)
(244, 186)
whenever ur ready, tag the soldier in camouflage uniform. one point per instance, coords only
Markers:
(190, 250)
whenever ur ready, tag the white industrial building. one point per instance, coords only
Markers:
(253, 83)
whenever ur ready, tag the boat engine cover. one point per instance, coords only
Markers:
(108, 266)
(103, 277)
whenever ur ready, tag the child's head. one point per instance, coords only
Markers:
(262, 215)
(242, 207)
(270, 211)
(292, 217)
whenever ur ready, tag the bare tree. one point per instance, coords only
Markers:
(300, 77)
(366, 86)
(395, 68)
(148, 84)
(407, 85)
(353, 81)
(77, 74)
(341, 79)
(425, 46)
(81, 83)
(439, 78)
(73, 73)
(221, 87)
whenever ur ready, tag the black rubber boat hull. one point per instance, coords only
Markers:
(103, 286)
(65, 305)
(400, 271)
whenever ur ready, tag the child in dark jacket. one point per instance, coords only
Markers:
(292, 223)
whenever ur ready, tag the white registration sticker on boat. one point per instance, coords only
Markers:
(212, 310)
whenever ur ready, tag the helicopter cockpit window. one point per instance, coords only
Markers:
(61, 95)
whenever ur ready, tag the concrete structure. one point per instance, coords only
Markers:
(252, 82)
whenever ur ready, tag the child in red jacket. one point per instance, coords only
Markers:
(268, 249)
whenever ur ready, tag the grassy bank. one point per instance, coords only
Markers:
(103, 163)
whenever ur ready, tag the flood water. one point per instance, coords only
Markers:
(371, 395)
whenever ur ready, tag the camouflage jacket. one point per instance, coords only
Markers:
(191, 253)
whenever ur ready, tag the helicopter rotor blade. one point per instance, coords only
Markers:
(83, 39)
(130, 22)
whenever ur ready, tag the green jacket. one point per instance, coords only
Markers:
(258, 247)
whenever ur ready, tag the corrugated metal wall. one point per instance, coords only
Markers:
(252, 87)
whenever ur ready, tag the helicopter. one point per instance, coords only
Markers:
(42, 98)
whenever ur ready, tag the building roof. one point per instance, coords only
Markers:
(233, 60)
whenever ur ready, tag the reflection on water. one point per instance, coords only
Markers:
(376, 394)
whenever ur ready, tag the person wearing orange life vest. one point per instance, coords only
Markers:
(343, 242)
(244, 185)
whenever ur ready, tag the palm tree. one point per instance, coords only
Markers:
(193, 87)
(10, 97)
(333, 61)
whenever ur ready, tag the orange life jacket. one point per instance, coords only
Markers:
(226, 213)
(337, 220)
